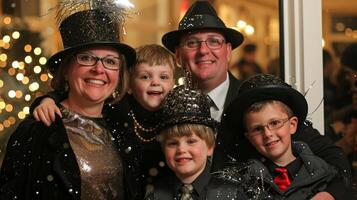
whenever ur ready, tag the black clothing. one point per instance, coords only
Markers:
(205, 187)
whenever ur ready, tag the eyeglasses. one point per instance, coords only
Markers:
(109, 62)
(212, 43)
(272, 125)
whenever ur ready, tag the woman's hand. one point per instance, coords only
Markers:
(46, 111)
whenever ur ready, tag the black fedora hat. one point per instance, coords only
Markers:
(86, 29)
(183, 105)
(201, 15)
(263, 87)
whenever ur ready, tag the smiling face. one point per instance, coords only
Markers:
(273, 144)
(90, 85)
(151, 83)
(208, 66)
(187, 156)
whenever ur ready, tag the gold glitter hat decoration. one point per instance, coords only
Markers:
(87, 23)
(201, 15)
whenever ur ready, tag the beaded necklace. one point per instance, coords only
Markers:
(138, 127)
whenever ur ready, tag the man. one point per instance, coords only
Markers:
(203, 45)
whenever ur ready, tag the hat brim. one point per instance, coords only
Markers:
(292, 98)
(55, 60)
(210, 122)
(172, 39)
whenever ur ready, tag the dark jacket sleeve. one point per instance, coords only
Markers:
(57, 97)
(323, 147)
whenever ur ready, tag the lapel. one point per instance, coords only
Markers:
(234, 85)
(64, 162)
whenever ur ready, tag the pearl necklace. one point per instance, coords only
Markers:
(137, 126)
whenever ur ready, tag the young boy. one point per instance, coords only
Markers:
(269, 111)
(133, 120)
(187, 136)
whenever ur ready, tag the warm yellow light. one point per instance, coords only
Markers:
(37, 69)
(3, 57)
(50, 75)
(16, 35)
(249, 30)
(181, 80)
(3, 64)
(21, 115)
(21, 65)
(7, 20)
(42, 60)
(241, 24)
(37, 51)
(2, 105)
(323, 43)
(11, 71)
(20, 76)
(15, 64)
(26, 110)
(2, 43)
(11, 93)
(26, 80)
(18, 94)
(6, 46)
(12, 120)
(44, 77)
(27, 48)
(1, 83)
(28, 59)
(27, 97)
(9, 108)
(6, 38)
(7, 123)
(34, 86)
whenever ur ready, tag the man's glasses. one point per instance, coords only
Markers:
(212, 43)
(272, 125)
(109, 62)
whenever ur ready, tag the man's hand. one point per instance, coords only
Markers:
(46, 111)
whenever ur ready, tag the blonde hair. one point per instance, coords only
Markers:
(204, 132)
(154, 54)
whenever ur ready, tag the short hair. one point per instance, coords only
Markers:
(256, 107)
(154, 54)
(59, 82)
(204, 132)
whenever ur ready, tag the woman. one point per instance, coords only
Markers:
(76, 157)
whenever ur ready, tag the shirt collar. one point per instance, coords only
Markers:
(293, 167)
(220, 91)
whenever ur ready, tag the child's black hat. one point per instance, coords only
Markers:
(265, 87)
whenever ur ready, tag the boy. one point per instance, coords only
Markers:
(269, 111)
(187, 136)
(133, 119)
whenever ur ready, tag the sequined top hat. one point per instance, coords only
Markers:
(89, 28)
(183, 105)
(201, 15)
(263, 87)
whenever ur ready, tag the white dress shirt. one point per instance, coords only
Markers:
(218, 95)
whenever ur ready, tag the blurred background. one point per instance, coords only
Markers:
(29, 36)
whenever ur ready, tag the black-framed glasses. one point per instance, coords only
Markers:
(211, 42)
(109, 62)
(271, 125)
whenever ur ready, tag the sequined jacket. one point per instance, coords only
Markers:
(40, 164)
(313, 177)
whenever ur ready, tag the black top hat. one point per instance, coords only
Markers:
(201, 15)
(86, 29)
(186, 106)
(265, 87)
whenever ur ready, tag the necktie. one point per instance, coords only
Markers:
(186, 191)
(282, 180)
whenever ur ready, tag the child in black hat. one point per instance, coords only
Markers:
(187, 136)
(269, 111)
